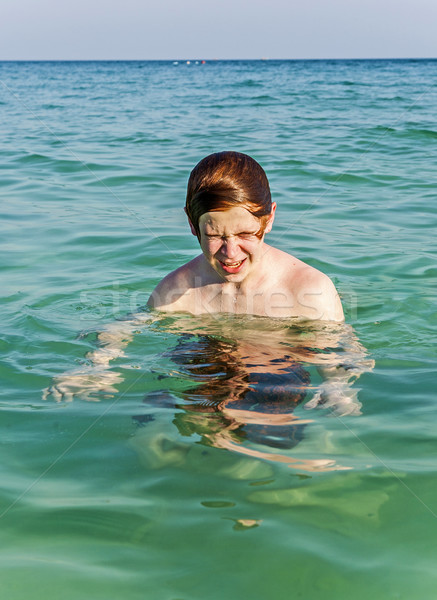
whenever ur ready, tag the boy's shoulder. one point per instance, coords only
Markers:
(313, 291)
(170, 291)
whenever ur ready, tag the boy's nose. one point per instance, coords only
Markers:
(229, 247)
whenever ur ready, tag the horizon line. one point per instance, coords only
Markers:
(185, 60)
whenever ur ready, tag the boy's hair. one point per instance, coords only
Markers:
(226, 179)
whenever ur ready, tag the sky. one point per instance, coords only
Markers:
(223, 29)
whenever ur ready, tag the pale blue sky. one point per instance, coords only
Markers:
(179, 29)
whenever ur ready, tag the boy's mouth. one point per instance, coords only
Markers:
(233, 267)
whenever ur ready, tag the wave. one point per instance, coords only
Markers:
(248, 83)
(60, 165)
(420, 133)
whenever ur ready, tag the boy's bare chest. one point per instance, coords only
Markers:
(266, 301)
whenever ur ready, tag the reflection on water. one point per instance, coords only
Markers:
(242, 392)
(233, 400)
(239, 380)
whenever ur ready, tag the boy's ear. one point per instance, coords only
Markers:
(193, 230)
(271, 219)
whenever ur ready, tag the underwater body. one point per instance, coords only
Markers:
(169, 456)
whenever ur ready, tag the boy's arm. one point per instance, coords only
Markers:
(96, 377)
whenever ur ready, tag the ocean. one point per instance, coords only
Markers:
(177, 458)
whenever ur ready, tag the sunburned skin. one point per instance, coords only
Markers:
(239, 273)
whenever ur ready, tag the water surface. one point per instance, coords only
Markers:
(207, 468)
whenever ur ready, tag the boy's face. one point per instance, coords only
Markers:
(230, 243)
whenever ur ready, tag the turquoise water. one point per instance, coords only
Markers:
(149, 487)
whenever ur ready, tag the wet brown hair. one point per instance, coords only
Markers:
(226, 179)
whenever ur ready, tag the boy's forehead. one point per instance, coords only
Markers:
(235, 219)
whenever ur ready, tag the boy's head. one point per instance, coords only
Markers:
(226, 179)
